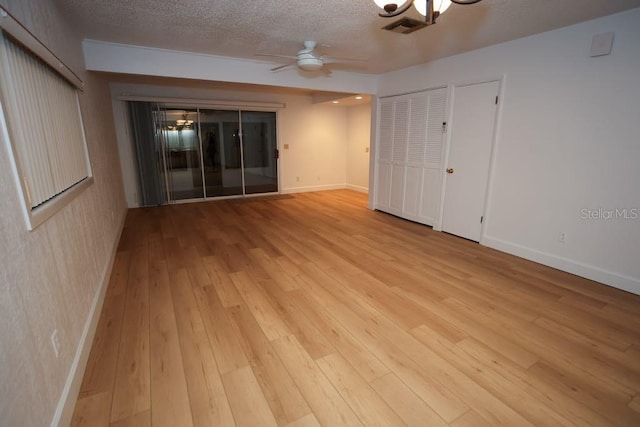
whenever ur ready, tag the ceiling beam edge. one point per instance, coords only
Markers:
(128, 59)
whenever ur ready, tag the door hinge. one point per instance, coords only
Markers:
(444, 127)
(277, 153)
(481, 219)
(496, 100)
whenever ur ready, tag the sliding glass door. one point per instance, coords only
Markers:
(183, 155)
(222, 152)
(260, 152)
(204, 153)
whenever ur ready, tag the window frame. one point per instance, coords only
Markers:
(35, 216)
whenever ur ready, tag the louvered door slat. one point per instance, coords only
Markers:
(401, 120)
(435, 120)
(417, 130)
(386, 130)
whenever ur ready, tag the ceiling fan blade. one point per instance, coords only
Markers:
(282, 66)
(331, 58)
(276, 56)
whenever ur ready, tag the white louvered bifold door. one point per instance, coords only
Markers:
(415, 155)
(44, 122)
(432, 176)
(399, 155)
(410, 155)
(385, 148)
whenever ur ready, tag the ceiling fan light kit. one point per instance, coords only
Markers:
(307, 59)
(430, 9)
(310, 64)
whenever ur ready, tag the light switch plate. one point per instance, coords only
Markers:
(601, 44)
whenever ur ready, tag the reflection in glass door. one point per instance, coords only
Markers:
(260, 154)
(182, 154)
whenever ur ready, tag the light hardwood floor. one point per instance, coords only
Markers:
(311, 310)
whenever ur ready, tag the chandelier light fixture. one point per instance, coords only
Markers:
(183, 123)
(430, 9)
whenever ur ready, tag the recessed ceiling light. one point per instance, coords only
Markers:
(336, 102)
(358, 97)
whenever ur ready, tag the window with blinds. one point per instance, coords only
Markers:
(42, 123)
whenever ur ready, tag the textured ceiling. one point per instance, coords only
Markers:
(351, 28)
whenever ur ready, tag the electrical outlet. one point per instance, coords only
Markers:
(297, 179)
(562, 237)
(55, 342)
(318, 177)
(366, 149)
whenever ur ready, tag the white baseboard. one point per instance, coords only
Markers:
(357, 188)
(313, 188)
(67, 402)
(616, 280)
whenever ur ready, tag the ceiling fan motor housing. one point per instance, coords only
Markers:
(307, 60)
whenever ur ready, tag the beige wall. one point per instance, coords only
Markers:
(358, 140)
(316, 158)
(50, 277)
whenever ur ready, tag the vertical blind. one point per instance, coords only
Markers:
(44, 123)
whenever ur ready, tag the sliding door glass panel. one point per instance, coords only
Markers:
(259, 152)
(222, 153)
(182, 154)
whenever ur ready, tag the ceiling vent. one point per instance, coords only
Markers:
(405, 26)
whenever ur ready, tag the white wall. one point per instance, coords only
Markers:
(52, 277)
(358, 141)
(317, 136)
(568, 139)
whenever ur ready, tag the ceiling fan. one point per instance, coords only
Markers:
(309, 58)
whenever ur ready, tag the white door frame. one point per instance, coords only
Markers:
(494, 143)
(374, 140)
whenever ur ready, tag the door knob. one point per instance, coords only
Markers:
(450, 170)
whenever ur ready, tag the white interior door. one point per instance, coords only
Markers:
(472, 128)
